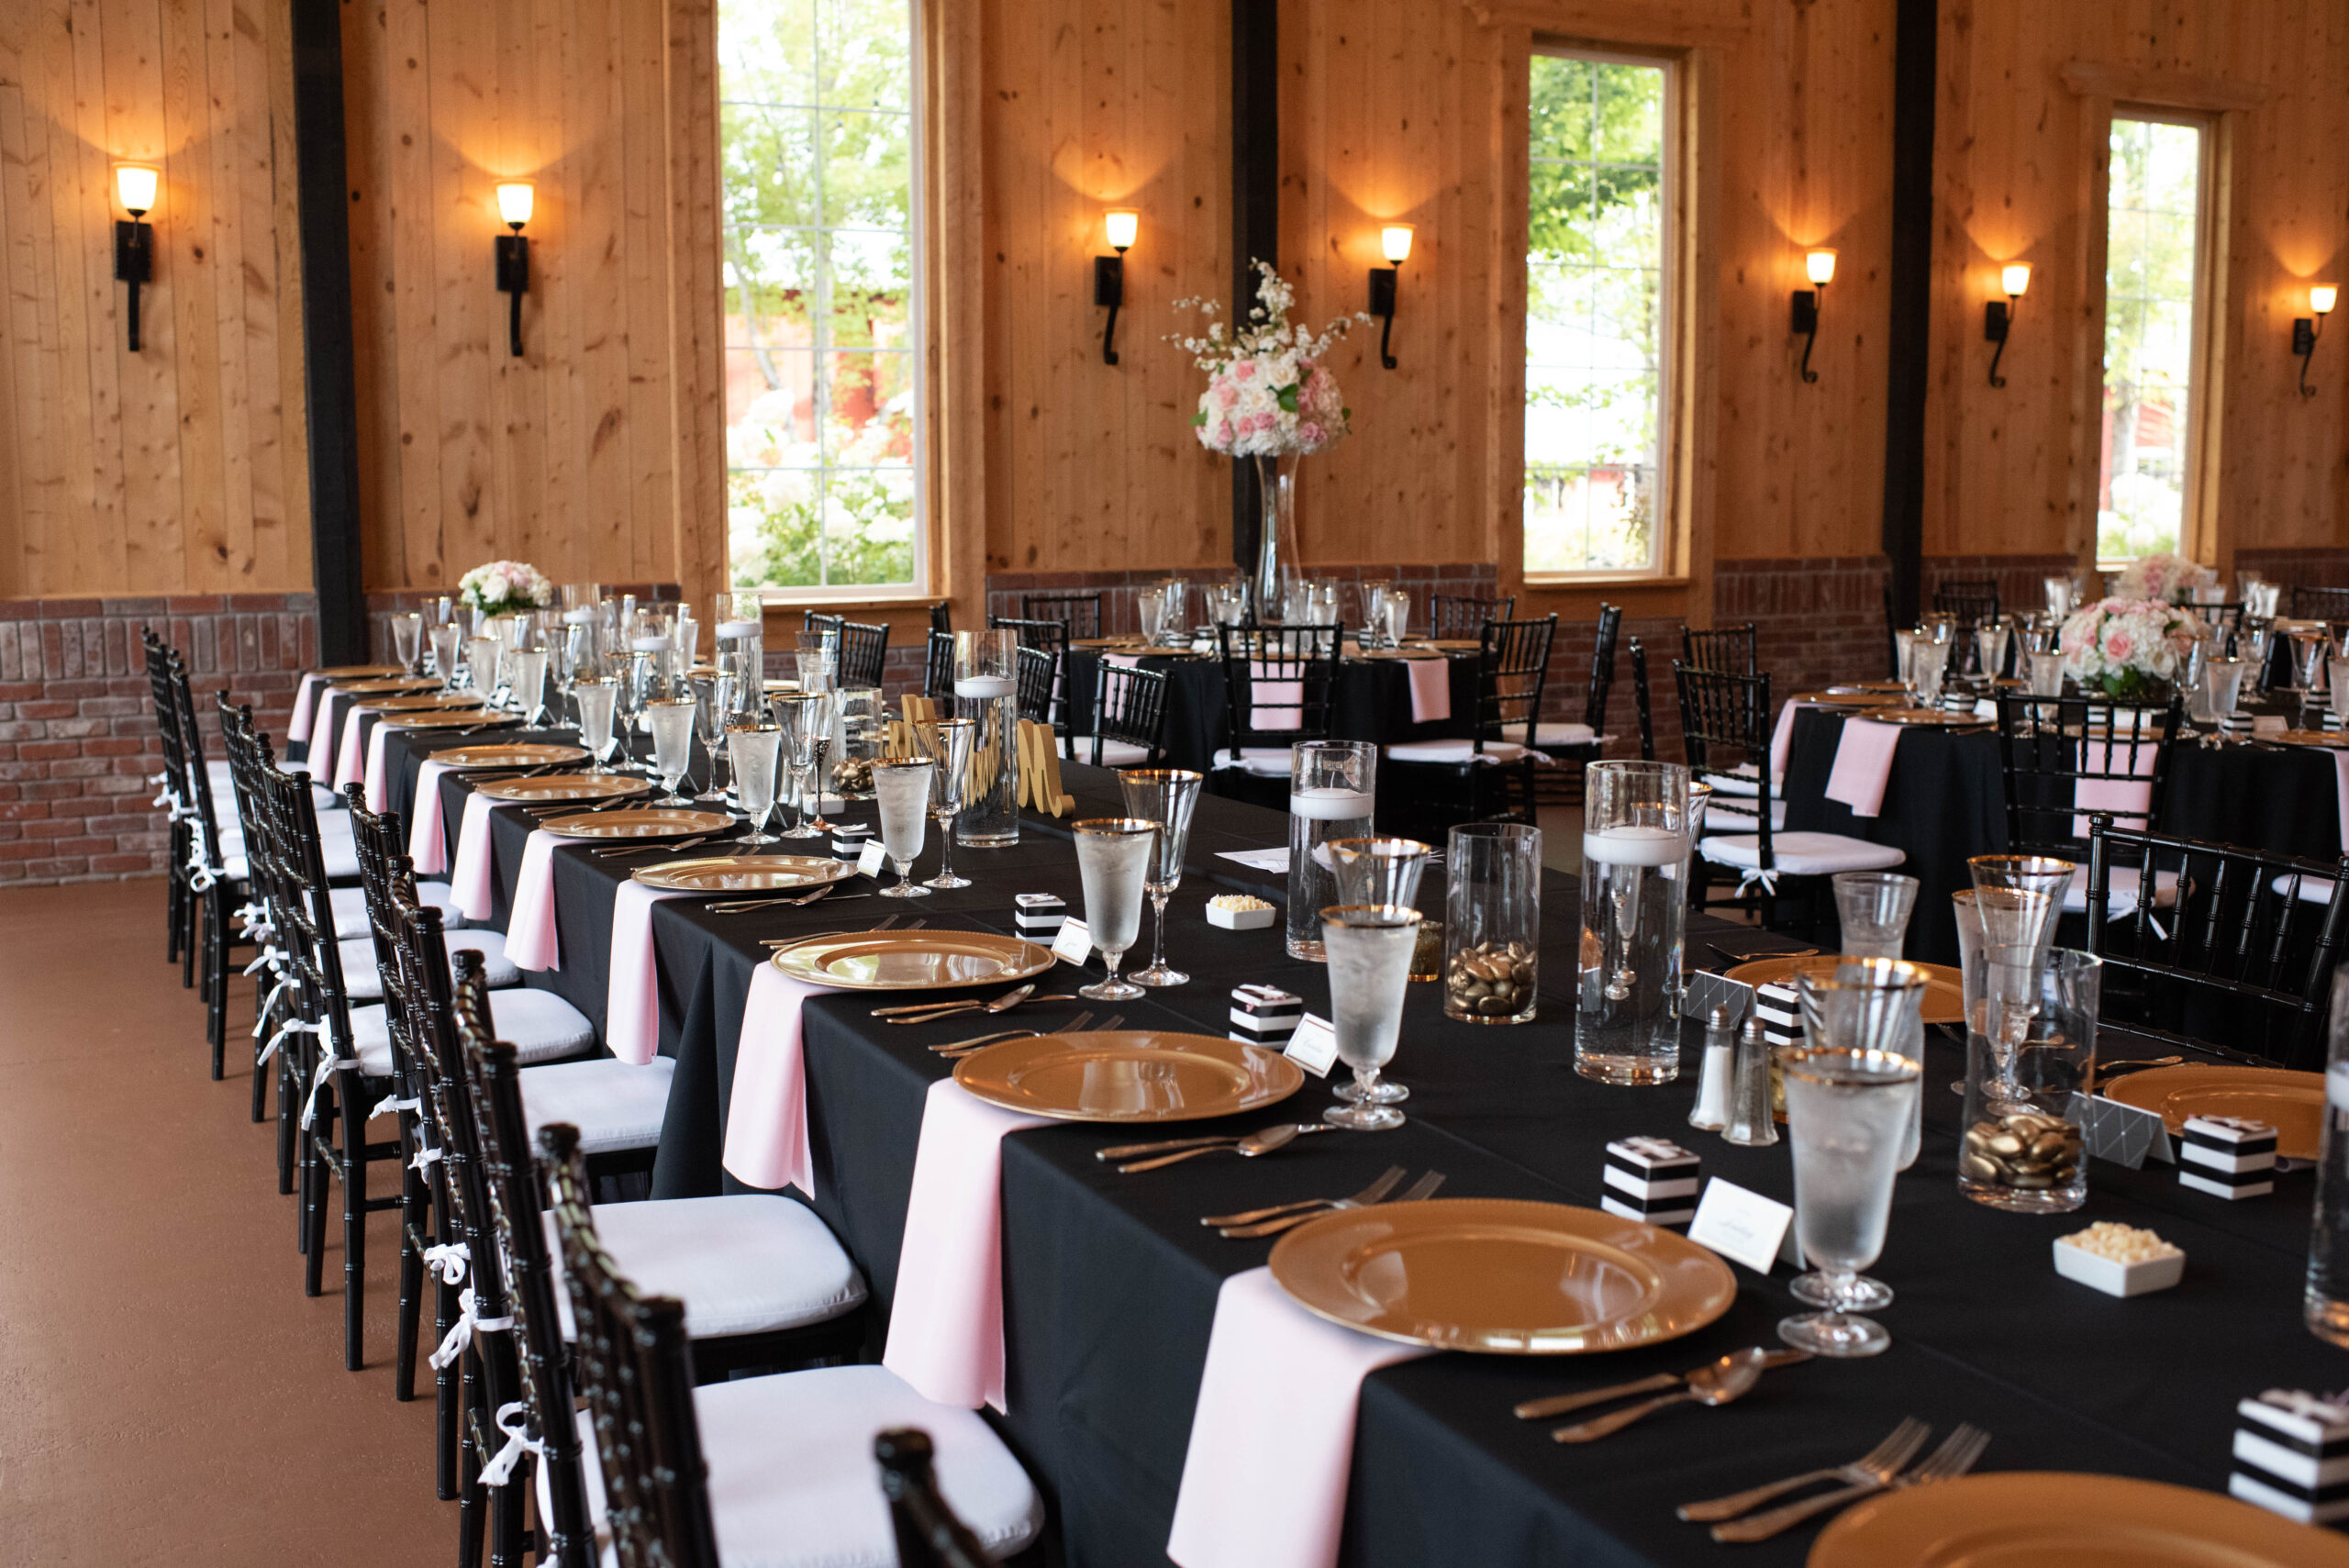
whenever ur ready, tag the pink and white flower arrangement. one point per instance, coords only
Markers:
(2163, 578)
(1269, 392)
(501, 588)
(2127, 646)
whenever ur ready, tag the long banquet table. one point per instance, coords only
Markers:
(1111, 1285)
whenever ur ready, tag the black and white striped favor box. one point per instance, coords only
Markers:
(2291, 1456)
(1780, 1010)
(849, 839)
(1264, 1015)
(2227, 1156)
(1650, 1178)
(1037, 916)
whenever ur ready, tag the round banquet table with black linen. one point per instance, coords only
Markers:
(1945, 800)
(1110, 1283)
(1372, 702)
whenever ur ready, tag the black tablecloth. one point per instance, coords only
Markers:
(1110, 1283)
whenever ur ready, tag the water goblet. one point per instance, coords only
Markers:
(1369, 949)
(1378, 871)
(1868, 1004)
(1113, 861)
(597, 695)
(2033, 920)
(448, 648)
(672, 722)
(530, 683)
(756, 751)
(481, 666)
(2337, 688)
(947, 743)
(2223, 686)
(1166, 797)
(408, 639)
(902, 785)
(1847, 1112)
(1151, 609)
(1399, 616)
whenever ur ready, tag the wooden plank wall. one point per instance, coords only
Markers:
(181, 468)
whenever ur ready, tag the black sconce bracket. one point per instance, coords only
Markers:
(2304, 336)
(1109, 290)
(514, 279)
(1806, 321)
(1996, 319)
(1384, 286)
(134, 263)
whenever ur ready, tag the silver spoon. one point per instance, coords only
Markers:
(1262, 1142)
(1725, 1380)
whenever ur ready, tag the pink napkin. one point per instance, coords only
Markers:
(378, 788)
(1431, 689)
(297, 729)
(632, 1000)
(1123, 660)
(946, 1325)
(2340, 789)
(427, 848)
(530, 926)
(1862, 763)
(471, 880)
(1267, 699)
(766, 1115)
(323, 734)
(2113, 795)
(1782, 738)
(1272, 1436)
(347, 761)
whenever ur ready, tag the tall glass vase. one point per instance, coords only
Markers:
(1275, 541)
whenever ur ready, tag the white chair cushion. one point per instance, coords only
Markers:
(1262, 762)
(613, 1105)
(1741, 818)
(745, 1264)
(2120, 891)
(1114, 753)
(1800, 854)
(1563, 734)
(792, 1483)
(223, 775)
(2313, 889)
(351, 908)
(539, 1025)
(1458, 752)
(364, 981)
(336, 849)
(1744, 780)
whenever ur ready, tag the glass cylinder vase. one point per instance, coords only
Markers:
(987, 687)
(1492, 922)
(1332, 795)
(1276, 546)
(1636, 850)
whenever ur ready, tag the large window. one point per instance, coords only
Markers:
(823, 411)
(1596, 288)
(2152, 322)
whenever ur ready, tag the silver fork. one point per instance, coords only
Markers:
(1957, 1455)
(1000, 1036)
(643, 848)
(1423, 1188)
(1879, 1464)
(1082, 1021)
(1387, 1181)
(797, 901)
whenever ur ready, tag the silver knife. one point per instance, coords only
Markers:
(1559, 1404)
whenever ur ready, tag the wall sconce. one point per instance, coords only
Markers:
(516, 201)
(1395, 244)
(2322, 298)
(134, 242)
(2000, 313)
(1819, 266)
(1121, 225)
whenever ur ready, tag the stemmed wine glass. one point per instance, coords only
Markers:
(802, 715)
(530, 682)
(481, 667)
(757, 750)
(1369, 949)
(947, 743)
(712, 693)
(636, 678)
(407, 640)
(671, 720)
(596, 697)
(903, 786)
(1112, 859)
(1166, 797)
(1847, 1112)
(447, 646)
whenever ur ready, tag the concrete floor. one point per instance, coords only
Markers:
(167, 1394)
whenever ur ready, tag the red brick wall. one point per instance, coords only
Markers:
(1117, 589)
(1816, 622)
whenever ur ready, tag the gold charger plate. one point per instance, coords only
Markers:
(923, 960)
(2292, 1102)
(567, 786)
(745, 873)
(1105, 642)
(641, 822)
(1944, 987)
(524, 754)
(1454, 644)
(1895, 687)
(1502, 1276)
(358, 671)
(1129, 1075)
(422, 702)
(452, 719)
(2330, 740)
(1848, 699)
(388, 684)
(2044, 1518)
(1927, 718)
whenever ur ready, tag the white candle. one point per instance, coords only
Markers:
(733, 629)
(1330, 805)
(1635, 845)
(983, 686)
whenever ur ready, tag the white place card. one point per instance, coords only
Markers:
(2122, 1134)
(1314, 1046)
(1742, 1226)
(1073, 944)
(874, 859)
(1258, 860)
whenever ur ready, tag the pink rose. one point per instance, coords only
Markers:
(1310, 433)
(1245, 370)
(2117, 645)
(1225, 396)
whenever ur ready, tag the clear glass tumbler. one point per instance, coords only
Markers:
(1870, 1004)
(1113, 863)
(1369, 947)
(1379, 870)
(987, 665)
(407, 638)
(1492, 922)
(903, 786)
(1846, 1114)
(1874, 906)
(2021, 1150)
(2222, 687)
(1635, 847)
(596, 697)
(1166, 797)
(1333, 794)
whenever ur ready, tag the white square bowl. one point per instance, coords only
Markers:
(1241, 919)
(2116, 1278)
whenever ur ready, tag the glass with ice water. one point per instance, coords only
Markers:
(672, 721)
(596, 697)
(1873, 907)
(1332, 793)
(1369, 947)
(902, 783)
(1112, 862)
(1847, 1113)
(1635, 847)
(756, 750)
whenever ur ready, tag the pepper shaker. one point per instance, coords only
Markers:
(1711, 1111)
(1750, 1122)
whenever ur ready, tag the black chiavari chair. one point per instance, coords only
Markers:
(811, 620)
(1458, 617)
(1050, 636)
(1129, 716)
(179, 897)
(1079, 613)
(1973, 601)
(1728, 650)
(941, 617)
(691, 1473)
(1280, 684)
(1642, 702)
(864, 654)
(928, 1535)
(268, 894)
(1512, 664)
(1581, 743)
(2239, 958)
(2050, 748)
(2312, 602)
(219, 876)
(938, 673)
(1033, 685)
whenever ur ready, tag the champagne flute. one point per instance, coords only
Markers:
(408, 639)
(756, 750)
(1847, 1112)
(672, 722)
(1112, 859)
(711, 693)
(903, 786)
(947, 743)
(1369, 947)
(596, 697)
(635, 678)
(1166, 797)
(802, 714)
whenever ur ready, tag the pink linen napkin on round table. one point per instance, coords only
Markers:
(1863, 765)
(946, 1325)
(1431, 689)
(632, 996)
(1272, 1435)
(530, 936)
(427, 845)
(470, 882)
(2114, 794)
(348, 763)
(379, 791)
(1782, 738)
(297, 729)
(324, 733)
(1123, 660)
(767, 1113)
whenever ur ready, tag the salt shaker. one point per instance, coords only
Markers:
(1750, 1122)
(1711, 1110)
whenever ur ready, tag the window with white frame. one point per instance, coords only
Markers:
(824, 418)
(1597, 289)
(2153, 319)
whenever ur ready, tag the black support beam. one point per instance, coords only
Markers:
(1909, 341)
(1255, 206)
